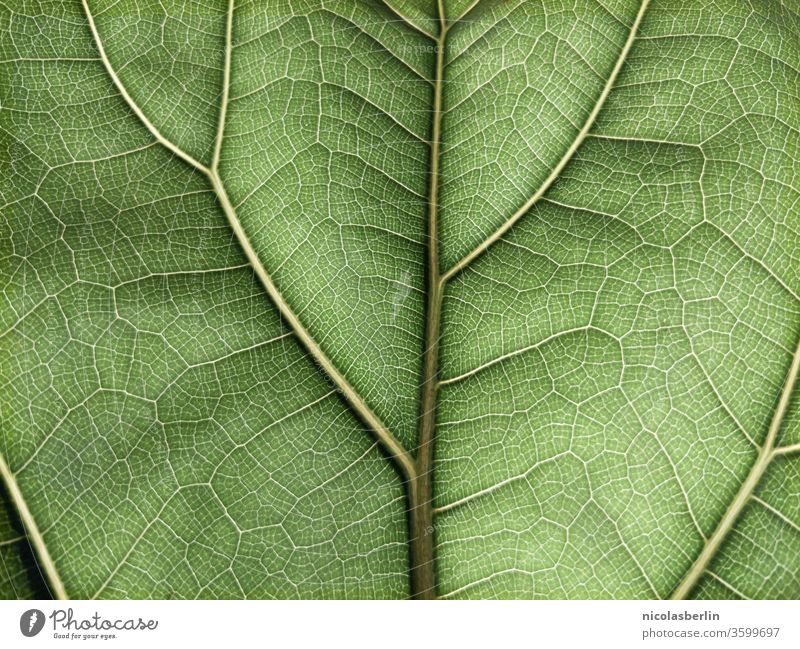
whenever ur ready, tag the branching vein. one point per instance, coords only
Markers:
(35, 537)
(745, 493)
(351, 396)
(556, 172)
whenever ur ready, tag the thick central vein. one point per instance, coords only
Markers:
(423, 578)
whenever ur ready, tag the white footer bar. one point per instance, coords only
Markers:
(386, 625)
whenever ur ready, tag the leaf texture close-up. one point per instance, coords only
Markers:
(400, 298)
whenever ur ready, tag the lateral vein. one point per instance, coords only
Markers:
(393, 447)
(777, 513)
(32, 532)
(745, 493)
(408, 21)
(130, 101)
(787, 450)
(384, 435)
(726, 585)
(512, 354)
(226, 87)
(466, 12)
(556, 172)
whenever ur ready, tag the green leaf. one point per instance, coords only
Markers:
(379, 299)
(19, 578)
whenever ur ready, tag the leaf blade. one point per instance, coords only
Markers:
(609, 364)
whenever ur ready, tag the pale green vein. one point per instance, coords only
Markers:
(35, 537)
(777, 513)
(129, 100)
(745, 493)
(726, 585)
(787, 450)
(556, 172)
(495, 487)
(483, 580)
(226, 87)
(512, 354)
(384, 435)
(466, 11)
(407, 21)
(353, 398)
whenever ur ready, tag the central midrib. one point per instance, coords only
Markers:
(420, 490)
(421, 494)
(423, 577)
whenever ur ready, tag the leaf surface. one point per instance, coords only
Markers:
(276, 274)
